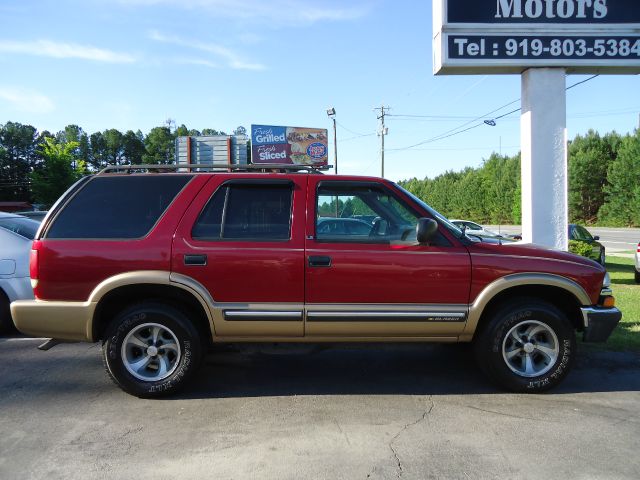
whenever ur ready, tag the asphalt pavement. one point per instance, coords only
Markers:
(345, 412)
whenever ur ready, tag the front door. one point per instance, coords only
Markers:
(366, 276)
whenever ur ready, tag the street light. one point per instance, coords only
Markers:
(331, 113)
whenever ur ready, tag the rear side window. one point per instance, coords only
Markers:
(117, 206)
(258, 212)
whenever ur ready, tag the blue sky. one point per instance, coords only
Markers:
(131, 64)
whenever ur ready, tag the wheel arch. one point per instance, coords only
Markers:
(562, 292)
(117, 293)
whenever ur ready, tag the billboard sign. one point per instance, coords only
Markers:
(272, 144)
(500, 12)
(509, 36)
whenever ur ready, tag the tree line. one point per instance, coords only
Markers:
(604, 172)
(603, 177)
(39, 166)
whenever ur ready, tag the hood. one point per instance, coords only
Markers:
(521, 249)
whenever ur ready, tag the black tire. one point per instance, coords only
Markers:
(525, 367)
(168, 368)
(6, 322)
(637, 276)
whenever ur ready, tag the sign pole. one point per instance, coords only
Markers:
(543, 132)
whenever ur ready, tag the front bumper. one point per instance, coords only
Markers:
(599, 323)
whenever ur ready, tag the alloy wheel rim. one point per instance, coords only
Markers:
(530, 348)
(150, 352)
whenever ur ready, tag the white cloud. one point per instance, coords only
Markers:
(48, 48)
(197, 61)
(289, 12)
(232, 59)
(25, 100)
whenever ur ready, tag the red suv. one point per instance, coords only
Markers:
(161, 266)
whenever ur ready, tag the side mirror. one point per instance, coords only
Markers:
(426, 229)
(597, 237)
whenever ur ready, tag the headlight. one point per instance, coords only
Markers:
(606, 288)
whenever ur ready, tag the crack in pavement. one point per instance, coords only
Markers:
(520, 417)
(424, 415)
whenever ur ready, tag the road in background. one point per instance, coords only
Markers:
(350, 412)
(614, 239)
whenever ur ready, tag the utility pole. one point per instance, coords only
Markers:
(331, 113)
(381, 133)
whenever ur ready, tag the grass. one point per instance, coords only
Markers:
(626, 336)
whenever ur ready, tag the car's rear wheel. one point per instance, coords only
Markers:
(637, 276)
(151, 350)
(527, 346)
(6, 323)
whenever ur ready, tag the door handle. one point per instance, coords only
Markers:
(319, 261)
(195, 259)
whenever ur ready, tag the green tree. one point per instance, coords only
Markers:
(159, 145)
(589, 160)
(490, 193)
(212, 131)
(114, 146)
(19, 156)
(74, 133)
(133, 147)
(98, 158)
(57, 173)
(622, 202)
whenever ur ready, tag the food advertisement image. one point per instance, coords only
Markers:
(289, 145)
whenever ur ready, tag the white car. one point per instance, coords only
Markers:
(16, 235)
(472, 228)
(638, 264)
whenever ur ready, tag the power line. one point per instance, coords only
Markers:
(398, 116)
(456, 131)
(357, 136)
(349, 130)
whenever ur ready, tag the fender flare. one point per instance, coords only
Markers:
(516, 280)
(150, 277)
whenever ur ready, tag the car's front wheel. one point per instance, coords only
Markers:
(527, 346)
(151, 350)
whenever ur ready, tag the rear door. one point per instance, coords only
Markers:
(379, 283)
(243, 240)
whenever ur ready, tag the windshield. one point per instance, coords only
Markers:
(438, 216)
(24, 227)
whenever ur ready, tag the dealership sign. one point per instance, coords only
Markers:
(288, 145)
(509, 36)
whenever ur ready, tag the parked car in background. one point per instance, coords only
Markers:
(16, 235)
(25, 227)
(472, 228)
(37, 215)
(638, 263)
(329, 226)
(578, 232)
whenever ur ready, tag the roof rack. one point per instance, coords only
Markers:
(219, 168)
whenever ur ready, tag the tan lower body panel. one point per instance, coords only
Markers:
(61, 320)
(338, 320)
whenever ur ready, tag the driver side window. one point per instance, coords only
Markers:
(362, 214)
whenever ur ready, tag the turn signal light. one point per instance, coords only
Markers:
(608, 302)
